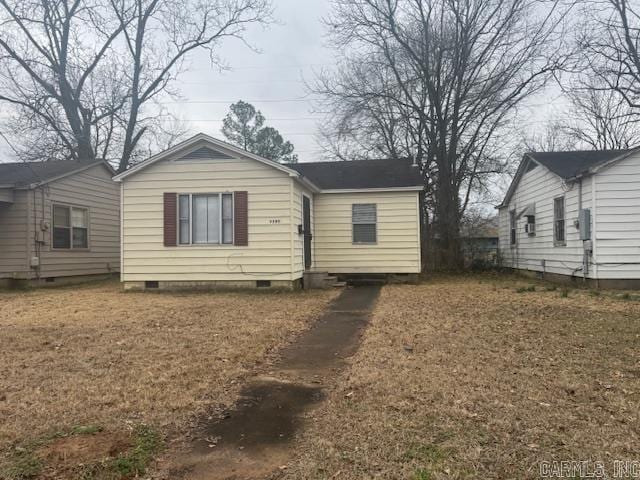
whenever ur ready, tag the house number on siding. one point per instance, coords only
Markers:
(274, 221)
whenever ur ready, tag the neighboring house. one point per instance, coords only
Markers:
(59, 221)
(479, 241)
(575, 215)
(205, 213)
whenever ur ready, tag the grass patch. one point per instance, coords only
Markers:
(22, 465)
(529, 288)
(564, 293)
(134, 463)
(422, 474)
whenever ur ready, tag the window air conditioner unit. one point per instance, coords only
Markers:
(530, 228)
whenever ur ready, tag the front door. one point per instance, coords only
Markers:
(306, 226)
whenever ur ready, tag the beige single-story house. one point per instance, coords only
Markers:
(575, 216)
(206, 214)
(59, 222)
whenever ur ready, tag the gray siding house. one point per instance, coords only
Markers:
(575, 215)
(59, 222)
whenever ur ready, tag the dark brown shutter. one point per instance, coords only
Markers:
(240, 219)
(170, 220)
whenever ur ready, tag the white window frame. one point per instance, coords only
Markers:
(353, 242)
(53, 227)
(221, 220)
(563, 242)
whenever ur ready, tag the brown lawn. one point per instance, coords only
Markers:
(473, 378)
(95, 356)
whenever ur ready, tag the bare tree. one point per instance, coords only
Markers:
(600, 118)
(83, 75)
(458, 70)
(611, 43)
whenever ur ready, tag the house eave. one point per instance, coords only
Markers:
(411, 188)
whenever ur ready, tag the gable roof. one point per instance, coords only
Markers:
(568, 165)
(26, 174)
(361, 174)
(319, 176)
(220, 148)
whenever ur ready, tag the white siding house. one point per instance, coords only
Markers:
(540, 216)
(282, 221)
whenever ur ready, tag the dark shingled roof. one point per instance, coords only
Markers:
(360, 174)
(570, 164)
(22, 174)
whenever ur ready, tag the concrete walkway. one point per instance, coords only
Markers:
(254, 438)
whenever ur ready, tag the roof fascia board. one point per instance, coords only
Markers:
(202, 137)
(413, 188)
(72, 172)
(608, 163)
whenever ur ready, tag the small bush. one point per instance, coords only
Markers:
(551, 288)
(564, 293)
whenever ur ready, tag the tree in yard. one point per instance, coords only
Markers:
(454, 73)
(244, 126)
(83, 78)
(601, 119)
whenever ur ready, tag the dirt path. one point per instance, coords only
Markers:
(253, 439)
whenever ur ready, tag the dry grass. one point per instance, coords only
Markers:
(481, 378)
(96, 356)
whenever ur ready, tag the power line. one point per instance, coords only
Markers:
(281, 100)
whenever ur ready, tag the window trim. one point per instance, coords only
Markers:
(71, 248)
(221, 220)
(556, 242)
(353, 242)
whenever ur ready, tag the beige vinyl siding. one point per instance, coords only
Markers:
(94, 190)
(269, 253)
(397, 249)
(617, 243)
(539, 187)
(14, 254)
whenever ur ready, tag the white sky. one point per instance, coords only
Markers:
(273, 80)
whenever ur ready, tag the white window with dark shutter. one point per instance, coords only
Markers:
(70, 227)
(205, 219)
(364, 223)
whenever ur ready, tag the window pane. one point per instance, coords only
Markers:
(227, 231)
(79, 217)
(80, 238)
(227, 206)
(184, 207)
(61, 237)
(364, 233)
(227, 218)
(199, 220)
(213, 219)
(61, 216)
(184, 232)
(363, 213)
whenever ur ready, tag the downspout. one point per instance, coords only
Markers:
(594, 223)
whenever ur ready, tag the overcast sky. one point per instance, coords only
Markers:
(272, 80)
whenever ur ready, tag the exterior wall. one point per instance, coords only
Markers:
(398, 234)
(539, 186)
(92, 189)
(14, 243)
(269, 255)
(617, 240)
